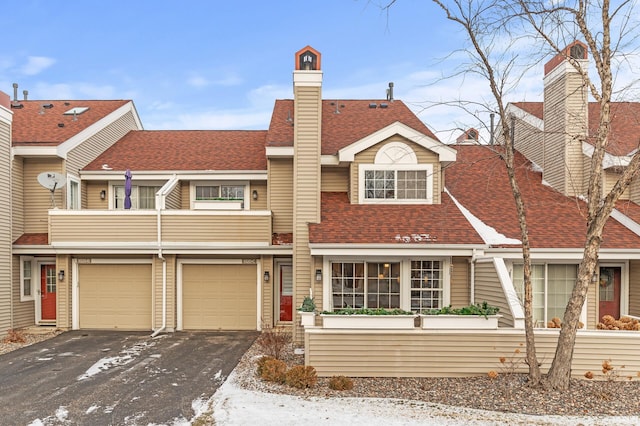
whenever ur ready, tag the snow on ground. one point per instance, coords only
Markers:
(123, 358)
(235, 406)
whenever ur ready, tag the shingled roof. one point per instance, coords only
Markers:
(344, 122)
(478, 180)
(44, 123)
(346, 223)
(162, 150)
(625, 124)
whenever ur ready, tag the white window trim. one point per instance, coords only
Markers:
(31, 259)
(202, 205)
(395, 167)
(70, 180)
(112, 191)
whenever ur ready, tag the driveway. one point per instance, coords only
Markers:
(116, 378)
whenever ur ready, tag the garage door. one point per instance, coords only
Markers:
(115, 296)
(219, 297)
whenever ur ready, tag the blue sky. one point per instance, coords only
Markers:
(221, 64)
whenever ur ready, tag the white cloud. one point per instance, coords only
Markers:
(37, 64)
(72, 91)
(198, 81)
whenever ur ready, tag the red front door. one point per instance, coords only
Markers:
(609, 291)
(48, 292)
(286, 292)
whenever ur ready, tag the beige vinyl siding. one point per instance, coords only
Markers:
(185, 190)
(424, 157)
(206, 228)
(422, 353)
(17, 198)
(23, 312)
(268, 291)
(63, 290)
(489, 289)
(634, 190)
(592, 307)
(634, 288)
(565, 112)
(281, 194)
(335, 179)
(173, 201)
(37, 199)
(171, 292)
(110, 227)
(261, 202)
(460, 282)
(5, 223)
(610, 178)
(529, 141)
(92, 192)
(92, 147)
(306, 187)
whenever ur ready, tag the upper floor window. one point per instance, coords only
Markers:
(227, 196)
(142, 197)
(73, 201)
(396, 176)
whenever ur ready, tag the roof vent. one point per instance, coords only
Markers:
(25, 93)
(16, 105)
(47, 106)
(384, 105)
(373, 105)
(60, 124)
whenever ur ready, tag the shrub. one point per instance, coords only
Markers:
(273, 341)
(273, 370)
(260, 364)
(483, 309)
(14, 336)
(308, 305)
(367, 311)
(301, 377)
(340, 383)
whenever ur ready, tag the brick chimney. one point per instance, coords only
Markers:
(565, 120)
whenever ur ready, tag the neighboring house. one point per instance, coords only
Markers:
(353, 202)
(5, 213)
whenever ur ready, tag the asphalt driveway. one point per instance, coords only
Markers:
(116, 378)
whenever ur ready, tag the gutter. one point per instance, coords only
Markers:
(472, 282)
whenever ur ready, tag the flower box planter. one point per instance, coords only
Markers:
(379, 322)
(463, 322)
(307, 318)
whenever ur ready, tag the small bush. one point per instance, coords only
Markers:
(273, 341)
(273, 370)
(14, 336)
(492, 374)
(340, 383)
(260, 364)
(301, 377)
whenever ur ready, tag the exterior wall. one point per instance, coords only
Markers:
(185, 190)
(489, 289)
(565, 112)
(281, 194)
(267, 301)
(63, 293)
(306, 181)
(610, 178)
(37, 199)
(17, 198)
(634, 190)
(174, 199)
(335, 179)
(88, 150)
(460, 282)
(592, 307)
(529, 140)
(92, 192)
(423, 353)
(261, 202)
(171, 292)
(634, 288)
(424, 157)
(5, 217)
(24, 314)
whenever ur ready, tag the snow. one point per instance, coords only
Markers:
(487, 233)
(123, 358)
(235, 406)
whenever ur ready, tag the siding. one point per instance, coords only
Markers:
(92, 191)
(634, 190)
(335, 179)
(489, 289)
(609, 180)
(460, 282)
(93, 146)
(37, 199)
(185, 190)
(281, 194)
(174, 199)
(424, 157)
(529, 140)
(438, 353)
(5, 221)
(268, 304)
(226, 228)
(634, 287)
(261, 202)
(23, 312)
(64, 291)
(17, 198)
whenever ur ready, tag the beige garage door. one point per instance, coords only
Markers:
(219, 297)
(115, 296)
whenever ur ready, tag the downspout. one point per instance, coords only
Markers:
(472, 283)
(159, 202)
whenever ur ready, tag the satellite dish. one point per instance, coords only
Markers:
(51, 181)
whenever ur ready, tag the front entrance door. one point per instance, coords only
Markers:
(48, 292)
(609, 291)
(285, 290)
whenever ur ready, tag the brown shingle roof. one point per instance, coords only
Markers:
(479, 182)
(354, 121)
(625, 123)
(32, 240)
(35, 125)
(154, 150)
(346, 223)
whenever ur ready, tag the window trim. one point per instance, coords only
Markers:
(362, 168)
(120, 184)
(23, 259)
(220, 204)
(71, 180)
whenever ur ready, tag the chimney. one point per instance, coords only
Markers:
(15, 92)
(565, 117)
(390, 92)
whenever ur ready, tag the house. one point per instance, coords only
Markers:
(355, 203)
(5, 215)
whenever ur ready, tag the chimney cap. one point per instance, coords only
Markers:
(576, 50)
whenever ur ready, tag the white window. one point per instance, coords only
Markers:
(219, 196)
(26, 278)
(427, 285)
(73, 194)
(552, 285)
(142, 197)
(365, 285)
